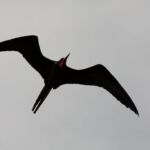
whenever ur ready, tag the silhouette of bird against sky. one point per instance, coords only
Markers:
(57, 73)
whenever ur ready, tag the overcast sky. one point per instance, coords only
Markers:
(115, 33)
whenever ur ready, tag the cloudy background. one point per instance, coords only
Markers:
(115, 33)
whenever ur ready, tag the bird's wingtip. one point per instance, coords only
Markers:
(137, 113)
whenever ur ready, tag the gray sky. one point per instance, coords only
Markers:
(114, 33)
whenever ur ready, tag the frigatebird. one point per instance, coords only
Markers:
(57, 73)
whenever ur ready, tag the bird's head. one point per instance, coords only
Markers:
(62, 62)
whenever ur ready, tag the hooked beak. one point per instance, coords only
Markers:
(62, 62)
(66, 57)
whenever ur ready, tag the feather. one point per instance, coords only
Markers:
(56, 73)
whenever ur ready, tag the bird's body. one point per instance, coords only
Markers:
(56, 73)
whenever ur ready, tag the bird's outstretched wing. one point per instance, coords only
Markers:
(29, 47)
(45, 91)
(98, 75)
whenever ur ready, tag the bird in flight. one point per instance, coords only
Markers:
(57, 73)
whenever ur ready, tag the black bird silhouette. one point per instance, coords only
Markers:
(56, 73)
